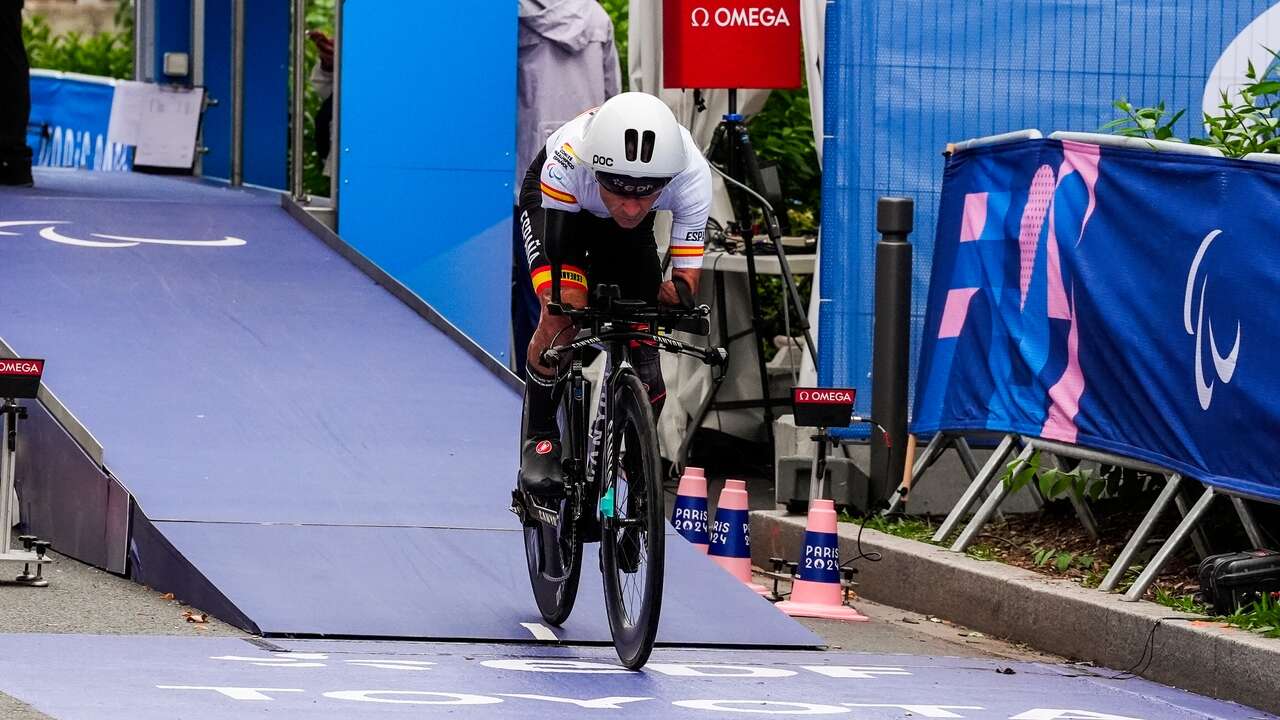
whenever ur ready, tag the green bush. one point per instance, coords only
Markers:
(1247, 123)
(108, 54)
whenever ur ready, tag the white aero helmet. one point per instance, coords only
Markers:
(634, 144)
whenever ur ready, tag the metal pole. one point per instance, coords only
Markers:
(988, 508)
(197, 74)
(336, 124)
(1170, 546)
(1250, 524)
(8, 420)
(989, 472)
(297, 154)
(237, 92)
(936, 446)
(1140, 536)
(891, 344)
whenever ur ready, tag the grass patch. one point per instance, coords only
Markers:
(1180, 602)
(903, 527)
(1261, 616)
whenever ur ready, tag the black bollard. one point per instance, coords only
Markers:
(891, 345)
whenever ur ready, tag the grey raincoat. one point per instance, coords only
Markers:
(567, 64)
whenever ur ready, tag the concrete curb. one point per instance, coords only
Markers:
(1056, 616)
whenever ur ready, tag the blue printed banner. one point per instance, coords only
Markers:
(1114, 298)
(69, 122)
(731, 534)
(821, 560)
(689, 518)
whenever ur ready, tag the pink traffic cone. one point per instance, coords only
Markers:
(817, 593)
(689, 517)
(731, 534)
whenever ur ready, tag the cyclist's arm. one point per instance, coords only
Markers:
(688, 231)
(559, 252)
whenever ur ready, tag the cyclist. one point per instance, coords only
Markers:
(587, 202)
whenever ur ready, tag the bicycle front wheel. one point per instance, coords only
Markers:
(632, 540)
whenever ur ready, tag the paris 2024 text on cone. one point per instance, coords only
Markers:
(731, 534)
(816, 592)
(689, 517)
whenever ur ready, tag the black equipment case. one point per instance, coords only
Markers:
(1230, 580)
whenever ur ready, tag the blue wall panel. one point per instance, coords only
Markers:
(266, 92)
(428, 134)
(905, 77)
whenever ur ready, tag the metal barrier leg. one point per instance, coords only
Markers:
(989, 472)
(1198, 540)
(966, 456)
(936, 446)
(1250, 524)
(989, 507)
(1140, 536)
(1083, 512)
(1170, 546)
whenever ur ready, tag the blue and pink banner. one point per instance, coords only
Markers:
(1120, 299)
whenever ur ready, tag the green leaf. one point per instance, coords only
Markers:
(1064, 561)
(1047, 480)
(1267, 87)
(1061, 485)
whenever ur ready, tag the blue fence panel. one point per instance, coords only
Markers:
(1113, 298)
(68, 122)
(426, 165)
(905, 77)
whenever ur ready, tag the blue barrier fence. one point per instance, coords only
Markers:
(905, 77)
(68, 123)
(1109, 297)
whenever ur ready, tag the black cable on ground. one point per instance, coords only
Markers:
(1148, 651)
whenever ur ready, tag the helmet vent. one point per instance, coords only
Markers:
(646, 147)
(632, 139)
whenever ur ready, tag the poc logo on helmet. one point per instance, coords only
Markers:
(602, 160)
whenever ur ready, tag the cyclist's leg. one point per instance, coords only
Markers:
(629, 259)
(540, 470)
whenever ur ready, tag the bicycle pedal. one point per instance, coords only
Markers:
(544, 515)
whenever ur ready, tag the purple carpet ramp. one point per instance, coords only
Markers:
(76, 677)
(247, 418)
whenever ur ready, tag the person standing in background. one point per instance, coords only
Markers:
(567, 64)
(15, 98)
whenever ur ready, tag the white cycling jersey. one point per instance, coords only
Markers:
(568, 183)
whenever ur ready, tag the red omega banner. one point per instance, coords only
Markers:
(731, 44)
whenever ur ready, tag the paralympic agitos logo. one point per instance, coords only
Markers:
(1223, 367)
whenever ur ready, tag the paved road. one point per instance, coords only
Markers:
(84, 600)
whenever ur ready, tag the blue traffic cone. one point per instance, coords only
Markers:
(731, 534)
(689, 517)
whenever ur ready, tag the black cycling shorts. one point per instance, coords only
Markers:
(607, 252)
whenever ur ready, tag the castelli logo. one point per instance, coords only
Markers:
(739, 17)
(543, 447)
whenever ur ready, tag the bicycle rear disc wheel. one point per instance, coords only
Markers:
(632, 542)
(554, 553)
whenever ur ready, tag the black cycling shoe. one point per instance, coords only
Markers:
(541, 473)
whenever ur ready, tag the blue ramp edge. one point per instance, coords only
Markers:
(305, 454)
(449, 584)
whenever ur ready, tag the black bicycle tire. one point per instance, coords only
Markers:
(635, 643)
(555, 597)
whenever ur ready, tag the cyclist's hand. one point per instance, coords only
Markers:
(676, 293)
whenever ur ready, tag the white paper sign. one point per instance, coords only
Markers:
(160, 122)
